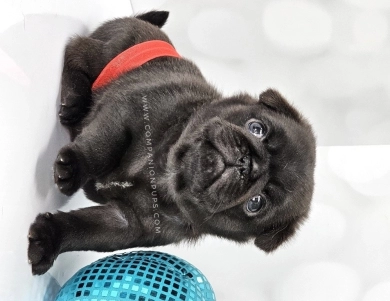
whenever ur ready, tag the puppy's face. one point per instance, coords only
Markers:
(244, 167)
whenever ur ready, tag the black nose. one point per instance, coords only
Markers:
(243, 164)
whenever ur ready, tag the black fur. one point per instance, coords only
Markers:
(167, 156)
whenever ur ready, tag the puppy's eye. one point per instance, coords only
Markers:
(256, 128)
(255, 203)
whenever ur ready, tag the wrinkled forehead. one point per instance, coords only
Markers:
(230, 109)
(292, 149)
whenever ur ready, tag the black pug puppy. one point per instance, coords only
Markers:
(168, 157)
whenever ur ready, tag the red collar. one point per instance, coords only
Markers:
(132, 58)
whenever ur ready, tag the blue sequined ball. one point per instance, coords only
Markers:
(140, 276)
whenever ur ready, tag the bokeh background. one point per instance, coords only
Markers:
(330, 58)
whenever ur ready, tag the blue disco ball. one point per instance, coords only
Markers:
(141, 276)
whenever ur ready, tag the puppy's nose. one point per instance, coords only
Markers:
(244, 165)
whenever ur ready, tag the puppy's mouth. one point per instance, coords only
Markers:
(205, 165)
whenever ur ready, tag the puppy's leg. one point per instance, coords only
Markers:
(97, 150)
(82, 64)
(101, 228)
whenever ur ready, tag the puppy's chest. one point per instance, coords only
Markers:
(137, 175)
(141, 168)
(142, 192)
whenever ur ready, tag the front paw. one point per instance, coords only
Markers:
(44, 242)
(67, 171)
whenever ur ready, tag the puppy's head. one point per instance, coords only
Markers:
(243, 168)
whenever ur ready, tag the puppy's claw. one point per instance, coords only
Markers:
(66, 171)
(63, 158)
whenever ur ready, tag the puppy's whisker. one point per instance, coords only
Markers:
(280, 230)
(215, 210)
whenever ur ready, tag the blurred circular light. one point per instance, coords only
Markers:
(298, 26)
(366, 168)
(221, 33)
(370, 31)
(321, 281)
(360, 164)
(370, 4)
(380, 292)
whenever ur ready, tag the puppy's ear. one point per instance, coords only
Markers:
(271, 238)
(155, 17)
(274, 101)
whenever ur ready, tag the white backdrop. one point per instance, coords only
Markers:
(331, 58)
